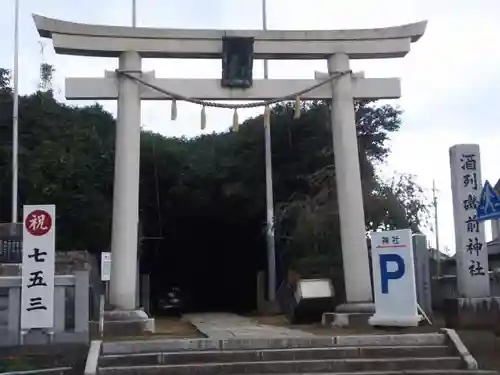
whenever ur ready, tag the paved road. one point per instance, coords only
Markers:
(225, 325)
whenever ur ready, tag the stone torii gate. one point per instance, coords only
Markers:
(130, 45)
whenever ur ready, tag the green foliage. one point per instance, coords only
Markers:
(66, 158)
(46, 72)
(18, 363)
(397, 203)
(5, 81)
(46, 76)
(308, 222)
(212, 186)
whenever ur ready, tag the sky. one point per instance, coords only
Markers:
(450, 79)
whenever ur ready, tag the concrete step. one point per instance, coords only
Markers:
(182, 345)
(268, 355)
(346, 365)
(407, 372)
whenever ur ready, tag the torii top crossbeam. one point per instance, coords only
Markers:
(110, 41)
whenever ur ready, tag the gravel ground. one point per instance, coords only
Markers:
(165, 327)
(21, 358)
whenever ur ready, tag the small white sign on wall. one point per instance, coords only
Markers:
(105, 266)
(37, 291)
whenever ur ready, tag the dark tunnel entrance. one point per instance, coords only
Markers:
(215, 270)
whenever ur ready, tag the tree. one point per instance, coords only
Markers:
(65, 158)
(200, 197)
(5, 80)
(308, 223)
(398, 203)
(46, 76)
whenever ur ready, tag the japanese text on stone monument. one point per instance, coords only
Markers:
(472, 257)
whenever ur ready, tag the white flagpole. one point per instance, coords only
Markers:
(264, 27)
(15, 115)
(271, 250)
(134, 14)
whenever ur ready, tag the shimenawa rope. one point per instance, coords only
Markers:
(205, 103)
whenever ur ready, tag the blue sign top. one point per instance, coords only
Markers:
(489, 204)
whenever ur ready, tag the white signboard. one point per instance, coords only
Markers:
(37, 293)
(105, 266)
(471, 252)
(394, 279)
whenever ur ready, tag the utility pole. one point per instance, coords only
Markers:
(15, 117)
(436, 228)
(271, 249)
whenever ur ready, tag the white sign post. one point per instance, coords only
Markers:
(105, 277)
(37, 293)
(394, 279)
(105, 266)
(472, 255)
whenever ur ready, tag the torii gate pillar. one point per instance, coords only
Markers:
(349, 194)
(126, 187)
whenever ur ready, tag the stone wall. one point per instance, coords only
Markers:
(75, 260)
(67, 262)
(8, 269)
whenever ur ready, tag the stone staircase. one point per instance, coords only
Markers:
(363, 355)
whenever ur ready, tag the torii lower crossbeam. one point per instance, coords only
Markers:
(210, 89)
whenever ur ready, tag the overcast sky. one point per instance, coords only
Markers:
(450, 79)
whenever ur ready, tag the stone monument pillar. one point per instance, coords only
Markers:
(471, 252)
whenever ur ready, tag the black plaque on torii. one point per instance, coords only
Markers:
(237, 62)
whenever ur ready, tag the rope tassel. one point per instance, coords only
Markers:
(296, 114)
(173, 110)
(267, 116)
(203, 118)
(236, 124)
